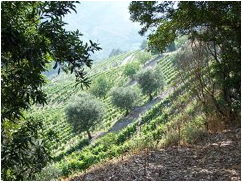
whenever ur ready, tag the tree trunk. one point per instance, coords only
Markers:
(127, 112)
(150, 97)
(89, 135)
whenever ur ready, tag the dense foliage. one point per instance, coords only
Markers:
(131, 69)
(33, 35)
(84, 113)
(26, 151)
(124, 98)
(216, 25)
(150, 81)
(100, 86)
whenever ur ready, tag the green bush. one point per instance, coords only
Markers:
(49, 173)
(194, 131)
(143, 57)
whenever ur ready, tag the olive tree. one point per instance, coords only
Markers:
(150, 81)
(131, 69)
(100, 86)
(124, 98)
(84, 113)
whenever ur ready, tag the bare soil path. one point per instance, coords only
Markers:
(135, 114)
(127, 59)
(138, 112)
(148, 65)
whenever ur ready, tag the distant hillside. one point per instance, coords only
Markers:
(108, 23)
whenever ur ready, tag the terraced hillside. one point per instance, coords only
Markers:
(62, 88)
(168, 111)
(172, 117)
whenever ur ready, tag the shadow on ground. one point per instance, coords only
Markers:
(216, 158)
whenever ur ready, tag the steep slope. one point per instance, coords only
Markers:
(173, 117)
(60, 91)
(138, 112)
(176, 119)
(206, 160)
(71, 146)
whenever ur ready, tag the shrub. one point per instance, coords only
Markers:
(49, 173)
(194, 131)
(170, 139)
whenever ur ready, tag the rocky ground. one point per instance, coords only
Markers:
(217, 157)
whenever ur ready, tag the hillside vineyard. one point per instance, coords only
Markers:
(168, 110)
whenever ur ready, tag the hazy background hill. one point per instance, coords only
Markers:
(108, 23)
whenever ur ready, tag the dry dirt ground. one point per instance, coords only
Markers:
(216, 158)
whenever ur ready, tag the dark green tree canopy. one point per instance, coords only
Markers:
(84, 113)
(33, 35)
(150, 80)
(199, 19)
(217, 24)
(26, 152)
(124, 98)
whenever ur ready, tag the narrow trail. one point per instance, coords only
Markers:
(148, 65)
(133, 115)
(152, 62)
(127, 59)
(217, 157)
(138, 112)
